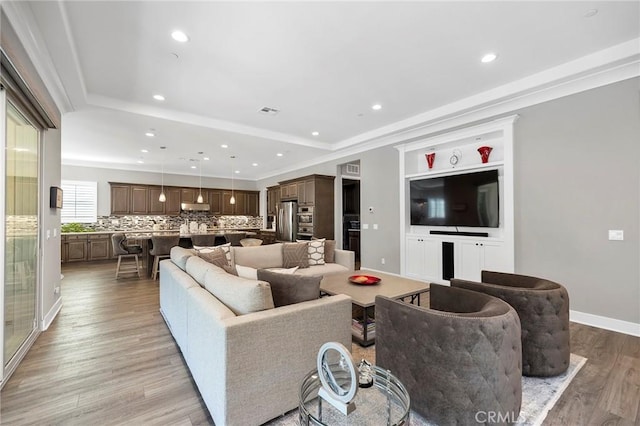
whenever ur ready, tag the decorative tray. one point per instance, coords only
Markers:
(364, 279)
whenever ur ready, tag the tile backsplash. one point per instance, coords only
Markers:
(139, 222)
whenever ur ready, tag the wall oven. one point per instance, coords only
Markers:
(305, 216)
(305, 223)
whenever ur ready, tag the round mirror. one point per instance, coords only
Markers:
(337, 372)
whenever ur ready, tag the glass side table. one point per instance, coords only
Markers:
(385, 403)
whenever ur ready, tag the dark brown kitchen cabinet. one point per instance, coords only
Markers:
(273, 199)
(99, 247)
(289, 191)
(144, 199)
(253, 203)
(172, 205)
(306, 192)
(189, 195)
(215, 201)
(76, 249)
(155, 206)
(120, 198)
(139, 199)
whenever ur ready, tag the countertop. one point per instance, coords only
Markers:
(211, 231)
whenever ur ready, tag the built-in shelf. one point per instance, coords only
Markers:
(453, 170)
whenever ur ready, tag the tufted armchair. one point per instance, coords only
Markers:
(543, 307)
(458, 359)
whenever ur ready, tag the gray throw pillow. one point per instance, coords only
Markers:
(330, 251)
(288, 289)
(295, 254)
(215, 256)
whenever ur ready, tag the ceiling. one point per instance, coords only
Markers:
(323, 65)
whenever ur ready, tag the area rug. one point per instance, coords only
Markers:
(539, 395)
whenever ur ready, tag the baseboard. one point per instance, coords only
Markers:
(51, 315)
(612, 324)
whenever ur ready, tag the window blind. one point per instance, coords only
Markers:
(79, 201)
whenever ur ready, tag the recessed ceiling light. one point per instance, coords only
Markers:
(179, 36)
(193, 167)
(206, 158)
(279, 154)
(144, 150)
(158, 97)
(489, 57)
(237, 171)
(376, 107)
(315, 133)
(150, 134)
(140, 162)
(224, 145)
(590, 13)
(254, 164)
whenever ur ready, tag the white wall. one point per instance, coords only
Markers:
(577, 175)
(104, 176)
(50, 223)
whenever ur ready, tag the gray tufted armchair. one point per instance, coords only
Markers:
(459, 359)
(543, 307)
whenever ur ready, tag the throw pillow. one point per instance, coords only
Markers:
(288, 289)
(247, 272)
(330, 251)
(215, 256)
(316, 252)
(295, 254)
(226, 248)
(289, 271)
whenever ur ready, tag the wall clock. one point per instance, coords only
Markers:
(455, 157)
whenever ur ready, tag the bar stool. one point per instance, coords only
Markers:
(235, 237)
(161, 249)
(203, 240)
(124, 251)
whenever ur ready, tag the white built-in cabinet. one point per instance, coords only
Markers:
(422, 254)
(424, 259)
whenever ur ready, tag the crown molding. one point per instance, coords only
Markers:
(26, 28)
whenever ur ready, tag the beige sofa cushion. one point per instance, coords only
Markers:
(179, 256)
(269, 256)
(326, 269)
(198, 268)
(241, 295)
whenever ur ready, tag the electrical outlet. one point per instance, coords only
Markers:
(375, 226)
(382, 261)
(365, 226)
(56, 290)
(48, 234)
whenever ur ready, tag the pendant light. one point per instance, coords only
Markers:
(200, 199)
(232, 200)
(162, 198)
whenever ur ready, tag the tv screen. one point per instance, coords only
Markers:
(469, 199)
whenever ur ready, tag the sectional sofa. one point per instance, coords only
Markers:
(247, 357)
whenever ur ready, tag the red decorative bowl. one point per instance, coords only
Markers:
(364, 279)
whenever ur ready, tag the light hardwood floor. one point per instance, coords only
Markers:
(109, 359)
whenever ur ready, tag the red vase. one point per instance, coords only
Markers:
(430, 159)
(484, 153)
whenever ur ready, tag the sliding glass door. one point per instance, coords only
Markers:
(21, 231)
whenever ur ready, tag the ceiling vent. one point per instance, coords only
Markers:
(268, 111)
(352, 169)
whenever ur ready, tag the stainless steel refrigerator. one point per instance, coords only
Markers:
(287, 221)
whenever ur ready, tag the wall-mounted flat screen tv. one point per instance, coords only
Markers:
(469, 199)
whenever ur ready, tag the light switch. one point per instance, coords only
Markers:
(48, 234)
(55, 232)
(375, 226)
(616, 235)
(365, 226)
